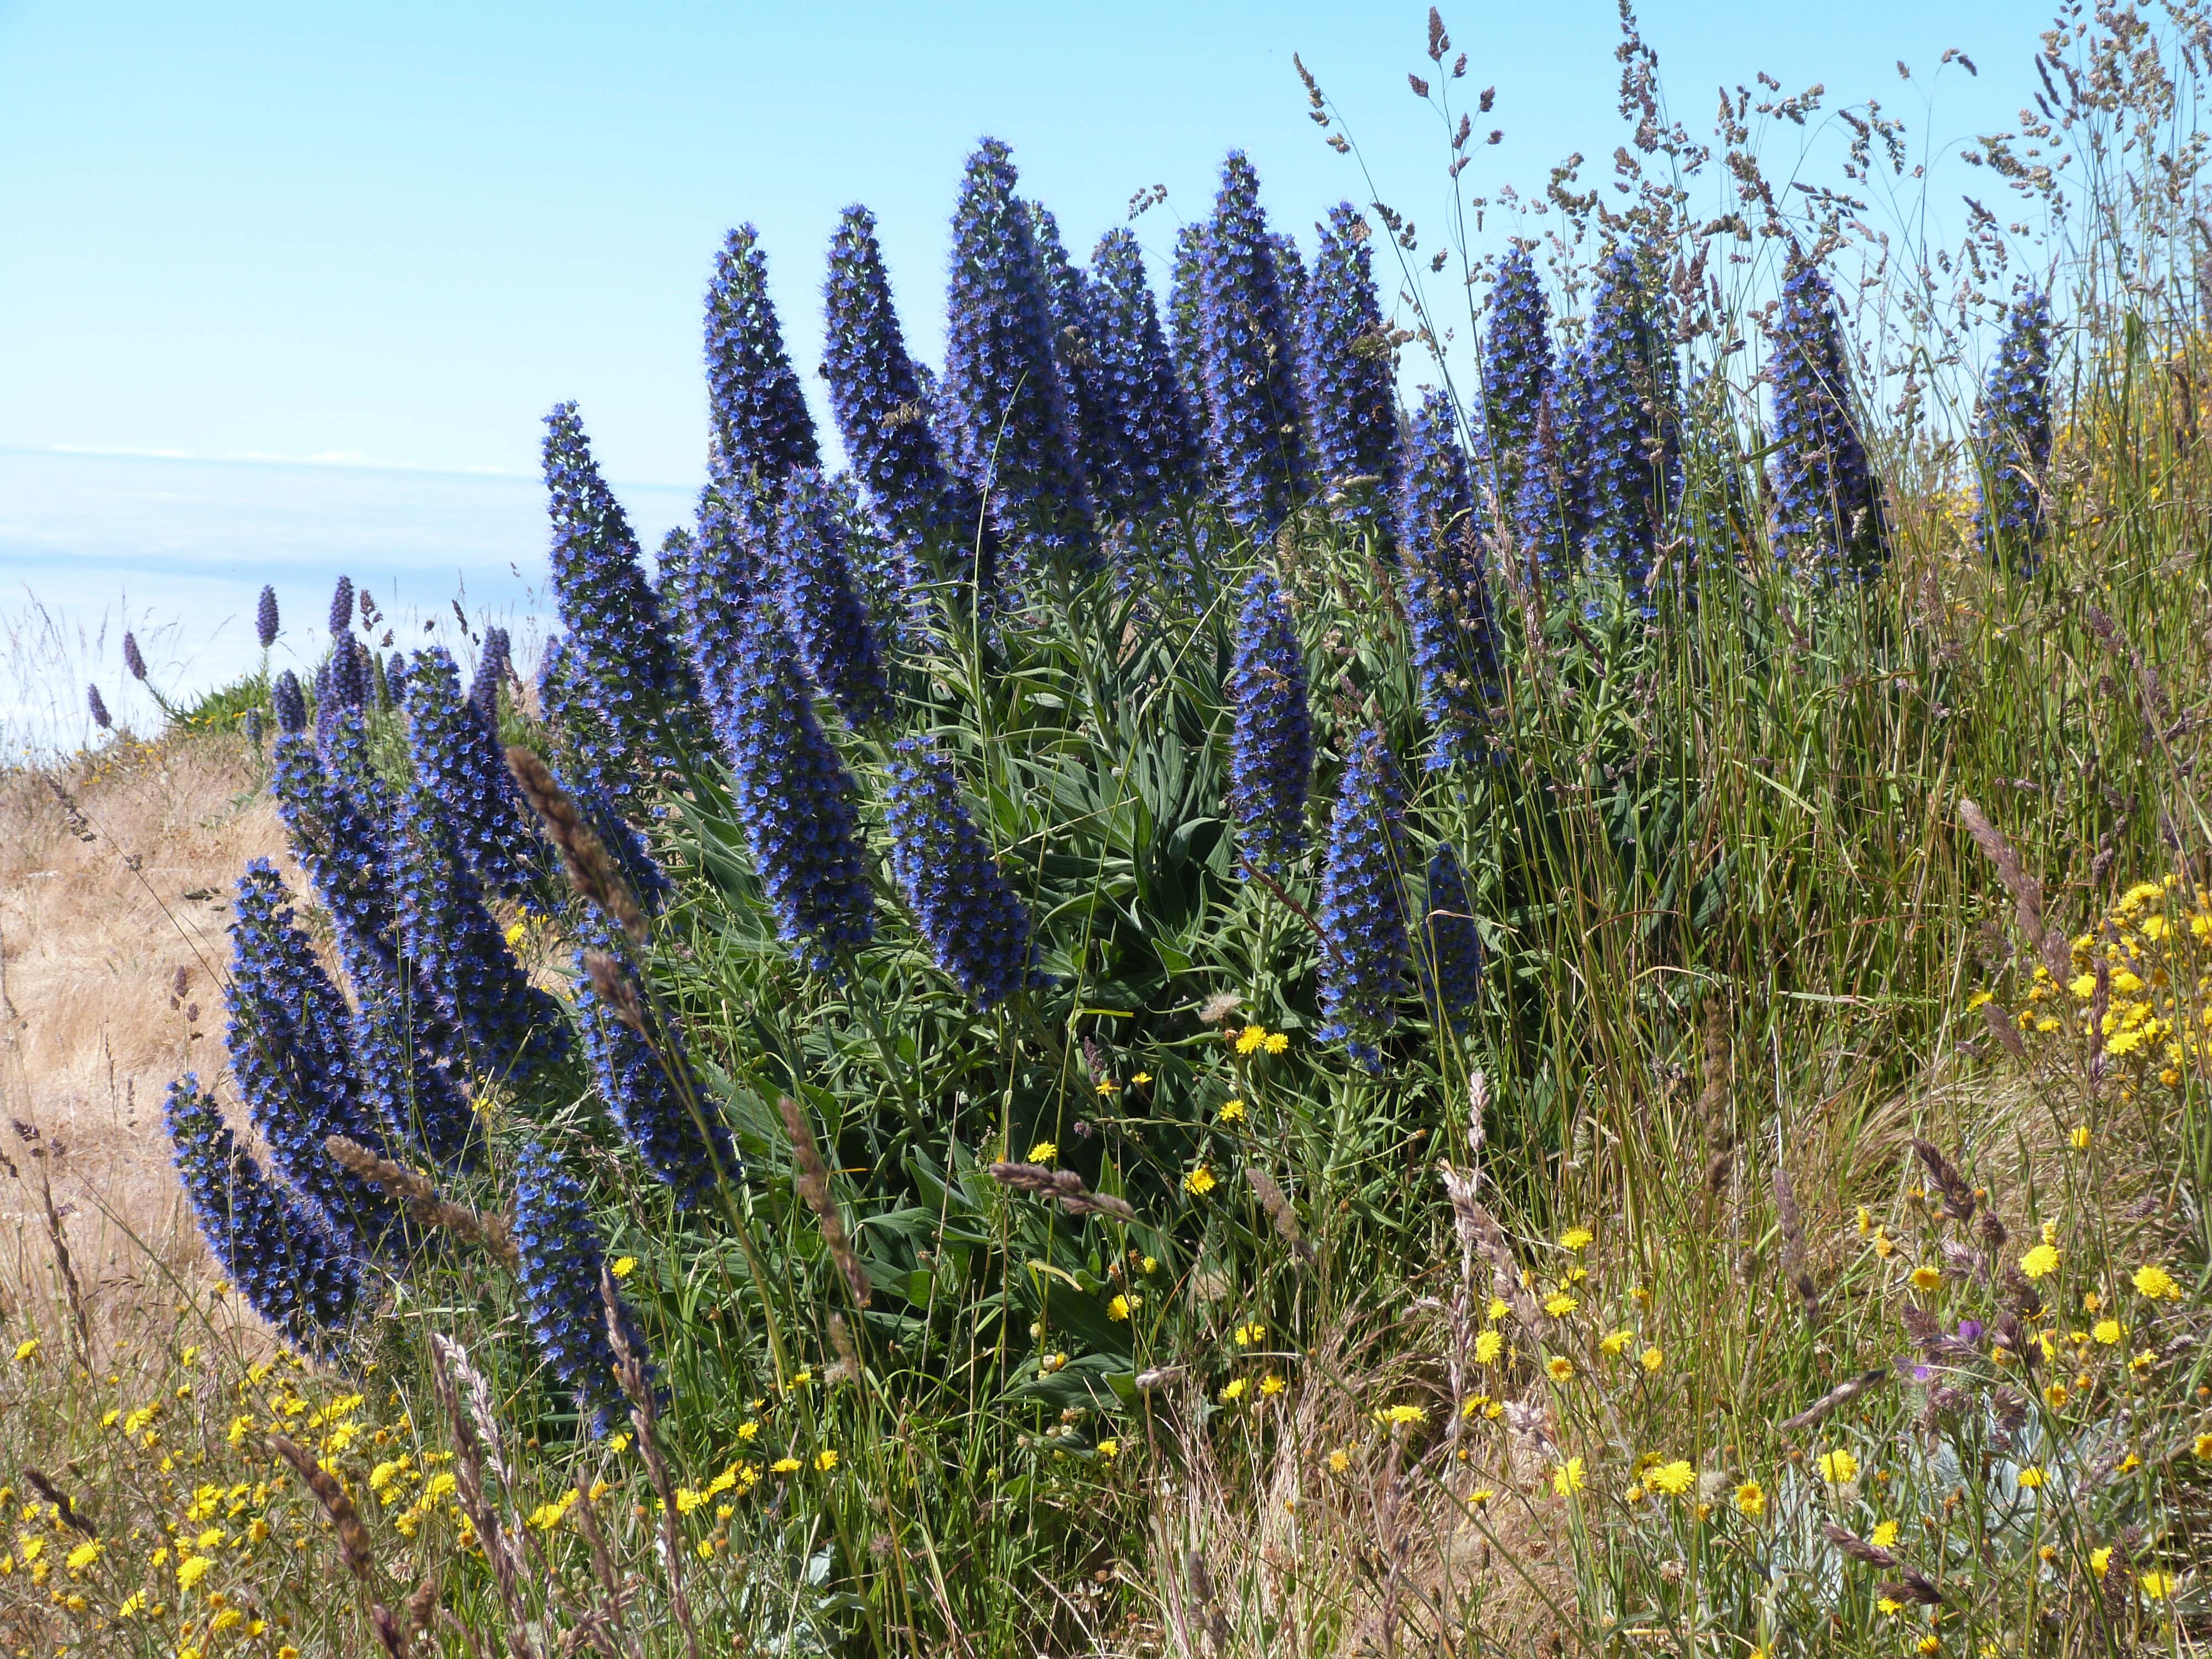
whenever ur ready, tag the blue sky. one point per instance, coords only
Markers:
(399, 232)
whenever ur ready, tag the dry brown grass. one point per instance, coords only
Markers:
(94, 935)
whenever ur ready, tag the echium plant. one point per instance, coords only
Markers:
(1543, 526)
(1447, 948)
(1271, 744)
(760, 426)
(1154, 454)
(1184, 277)
(1247, 351)
(1363, 904)
(1068, 307)
(291, 1050)
(457, 756)
(876, 395)
(1008, 429)
(976, 925)
(1827, 507)
(2012, 431)
(815, 590)
(630, 702)
(561, 1268)
(1628, 436)
(1289, 276)
(1348, 370)
(290, 1272)
(1516, 367)
(264, 618)
(493, 661)
(1455, 645)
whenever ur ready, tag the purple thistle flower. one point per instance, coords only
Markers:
(1363, 904)
(1068, 305)
(458, 758)
(1007, 431)
(814, 589)
(131, 658)
(1448, 598)
(342, 607)
(291, 1273)
(2012, 430)
(1628, 438)
(1828, 513)
(876, 394)
(975, 926)
(1447, 947)
(97, 705)
(1348, 374)
(761, 429)
(657, 1099)
(1516, 366)
(264, 618)
(1153, 452)
(291, 1051)
(1271, 747)
(560, 1270)
(1248, 353)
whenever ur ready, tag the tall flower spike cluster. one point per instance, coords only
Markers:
(560, 1266)
(291, 1050)
(877, 396)
(1270, 746)
(815, 590)
(1290, 275)
(1454, 646)
(1348, 370)
(1625, 457)
(1246, 349)
(977, 927)
(1542, 523)
(1069, 306)
(1828, 515)
(761, 429)
(1154, 453)
(2012, 430)
(1363, 904)
(657, 1099)
(629, 697)
(96, 706)
(264, 618)
(1448, 949)
(1008, 432)
(1516, 367)
(286, 1268)
(493, 662)
(457, 759)
(1184, 280)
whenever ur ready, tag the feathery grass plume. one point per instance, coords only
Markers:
(1796, 1265)
(2050, 945)
(813, 587)
(1628, 434)
(560, 1264)
(977, 928)
(291, 1051)
(1347, 374)
(2012, 431)
(593, 869)
(353, 1552)
(813, 1182)
(1068, 305)
(876, 395)
(1063, 1185)
(425, 1206)
(1008, 432)
(1362, 903)
(466, 1399)
(65, 1509)
(1248, 351)
(645, 1075)
(1154, 453)
(264, 618)
(494, 663)
(626, 700)
(1448, 949)
(1828, 511)
(1454, 646)
(1958, 1199)
(1540, 516)
(457, 760)
(1516, 367)
(1280, 1212)
(291, 1273)
(1184, 349)
(757, 412)
(1271, 744)
(504, 1027)
(1836, 1399)
(96, 706)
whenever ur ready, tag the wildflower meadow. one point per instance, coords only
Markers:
(1372, 942)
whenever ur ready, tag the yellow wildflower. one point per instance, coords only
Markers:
(624, 1265)
(1250, 1332)
(1200, 1181)
(27, 1351)
(1232, 1111)
(1272, 1384)
(826, 1460)
(1567, 1478)
(1560, 1304)
(192, 1569)
(1576, 1238)
(2155, 1284)
(1560, 1367)
(84, 1555)
(2031, 1478)
(785, 1466)
(1675, 1478)
(2040, 1262)
(1402, 1416)
(1044, 1151)
(1276, 1042)
(1652, 1359)
(1121, 1306)
(1487, 1348)
(1884, 1535)
(1251, 1039)
(1339, 1460)
(2156, 1586)
(2107, 1331)
(1838, 1467)
(1233, 1391)
(1927, 1278)
(1751, 1500)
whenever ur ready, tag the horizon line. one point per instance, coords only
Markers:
(336, 460)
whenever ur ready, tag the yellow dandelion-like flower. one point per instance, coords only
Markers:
(1889, 1607)
(2040, 1262)
(1121, 1306)
(2055, 1396)
(2107, 1331)
(1929, 1644)
(2155, 1284)
(1560, 1304)
(1106, 1085)
(1479, 1497)
(1837, 1466)
(1233, 1391)
(1339, 1461)
(1251, 1039)
(1232, 1111)
(2204, 1447)
(1200, 1181)
(785, 1466)
(1884, 1245)
(1142, 1077)
(1567, 1478)
(1674, 1478)
(1560, 1367)
(1487, 1347)
(2156, 1586)
(2031, 1478)
(826, 1460)
(1927, 1278)
(1151, 1264)
(1576, 1238)
(1751, 1500)
(192, 1569)
(1044, 1151)
(1109, 1449)
(27, 1351)
(1496, 1310)
(85, 1554)
(1883, 1535)
(1866, 1221)
(1652, 1360)
(2079, 1138)
(1401, 1417)
(1272, 1384)
(1276, 1042)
